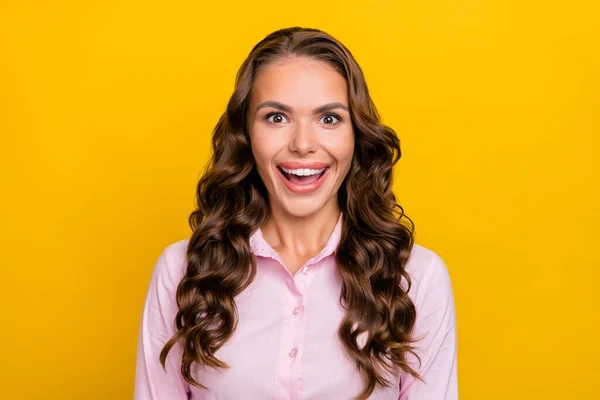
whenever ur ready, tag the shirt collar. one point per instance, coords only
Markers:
(260, 247)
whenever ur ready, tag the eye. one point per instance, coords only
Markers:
(275, 118)
(330, 119)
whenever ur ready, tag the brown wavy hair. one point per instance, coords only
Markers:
(376, 240)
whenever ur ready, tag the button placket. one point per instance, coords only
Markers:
(289, 368)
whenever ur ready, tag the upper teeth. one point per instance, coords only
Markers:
(303, 171)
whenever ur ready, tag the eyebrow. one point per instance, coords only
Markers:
(286, 108)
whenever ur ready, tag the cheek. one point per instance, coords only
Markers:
(263, 151)
(344, 149)
(259, 158)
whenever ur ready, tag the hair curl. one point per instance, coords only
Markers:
(375, 244)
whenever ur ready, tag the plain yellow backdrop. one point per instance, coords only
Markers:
(106, 110)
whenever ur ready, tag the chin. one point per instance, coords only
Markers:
(302, 207)
(305, 207)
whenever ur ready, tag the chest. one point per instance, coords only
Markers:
(285, 346)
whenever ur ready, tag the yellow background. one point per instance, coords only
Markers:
(106, 109)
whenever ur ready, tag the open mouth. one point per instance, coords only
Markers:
(302, 179)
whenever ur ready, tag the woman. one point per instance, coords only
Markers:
(301, 279)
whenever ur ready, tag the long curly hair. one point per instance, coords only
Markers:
(374, 248)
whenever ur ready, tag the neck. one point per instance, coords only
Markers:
(300, 235)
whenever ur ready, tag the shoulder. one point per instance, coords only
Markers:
(429, 275)
(170, 266)
(176, 251)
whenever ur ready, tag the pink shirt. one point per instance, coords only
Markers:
(285, 346)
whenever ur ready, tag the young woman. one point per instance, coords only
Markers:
(301, 279)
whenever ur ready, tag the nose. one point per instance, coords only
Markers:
(304, 138)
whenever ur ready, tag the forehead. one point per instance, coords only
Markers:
(299, 82)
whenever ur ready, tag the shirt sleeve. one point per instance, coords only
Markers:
(436, 325)
(157, 326)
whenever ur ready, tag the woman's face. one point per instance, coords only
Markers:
(299, 120)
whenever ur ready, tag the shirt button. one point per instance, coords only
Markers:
(297, 310)
(293, 352)
(305, 270)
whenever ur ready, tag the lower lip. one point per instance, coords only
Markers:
(300, 188)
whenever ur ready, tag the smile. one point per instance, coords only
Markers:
(303, 180)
